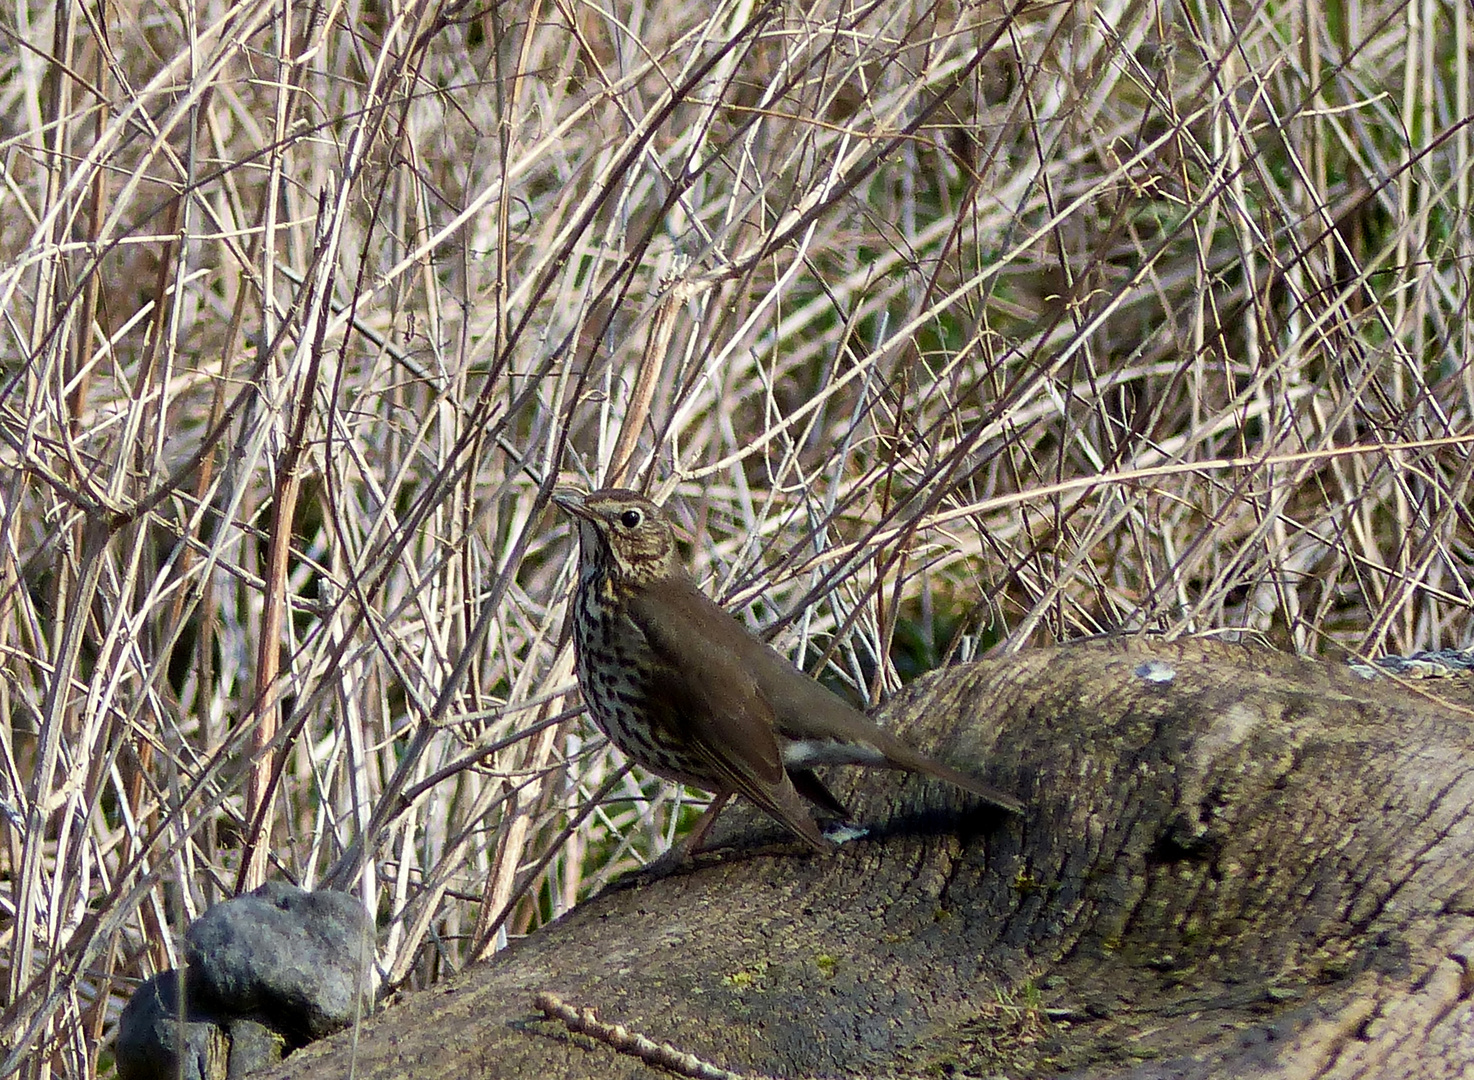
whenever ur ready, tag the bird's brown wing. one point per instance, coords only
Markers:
(714, 698)
(805, 709)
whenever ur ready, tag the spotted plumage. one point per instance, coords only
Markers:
(684, 689)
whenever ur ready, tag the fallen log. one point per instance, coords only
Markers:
(1233, 863)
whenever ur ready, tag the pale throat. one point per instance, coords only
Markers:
(590, 552)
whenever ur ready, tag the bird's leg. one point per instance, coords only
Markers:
(692, 843)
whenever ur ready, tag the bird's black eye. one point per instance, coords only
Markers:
(631, 519)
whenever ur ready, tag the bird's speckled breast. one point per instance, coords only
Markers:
(616, 687)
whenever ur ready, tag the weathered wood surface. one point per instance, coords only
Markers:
(1235, 863)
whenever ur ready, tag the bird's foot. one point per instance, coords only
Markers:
(842, 832)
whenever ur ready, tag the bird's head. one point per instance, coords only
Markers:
(621, 533)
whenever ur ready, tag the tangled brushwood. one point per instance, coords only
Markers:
(937, 327)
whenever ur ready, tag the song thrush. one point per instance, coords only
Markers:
(684, 689)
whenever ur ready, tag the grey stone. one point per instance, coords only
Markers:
(253, 1045)
(154, 1044)
(298, 960)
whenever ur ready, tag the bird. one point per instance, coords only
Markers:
(683, 688)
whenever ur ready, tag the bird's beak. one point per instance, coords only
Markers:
(572, 502)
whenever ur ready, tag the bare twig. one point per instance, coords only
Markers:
(585, 1021)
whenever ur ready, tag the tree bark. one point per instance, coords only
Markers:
(1234, 863)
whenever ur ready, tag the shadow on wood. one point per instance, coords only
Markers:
(1233, 863)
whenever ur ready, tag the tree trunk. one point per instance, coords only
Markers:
(1233, 863)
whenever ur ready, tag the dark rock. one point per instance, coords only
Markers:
(253, 1045)
(268, 972)
(153, 1044)
(298, 960)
